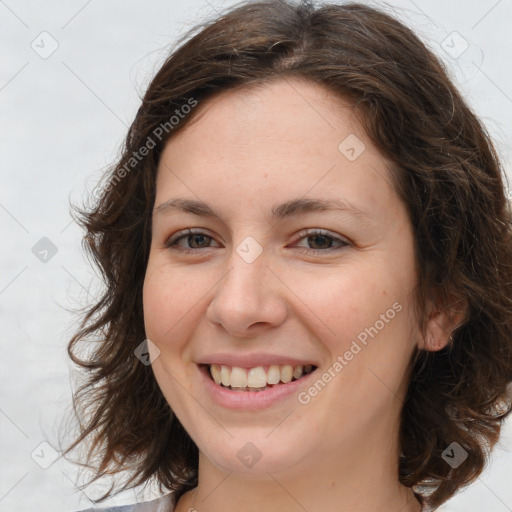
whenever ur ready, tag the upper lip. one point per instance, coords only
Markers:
(252, 360)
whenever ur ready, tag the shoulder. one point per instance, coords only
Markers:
(163, 504)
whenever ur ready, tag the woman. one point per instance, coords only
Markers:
(307, 251)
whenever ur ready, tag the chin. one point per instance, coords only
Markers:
(254, 453)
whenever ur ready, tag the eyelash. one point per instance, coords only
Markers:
(172, 242)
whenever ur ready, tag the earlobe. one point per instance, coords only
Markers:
(441, 324)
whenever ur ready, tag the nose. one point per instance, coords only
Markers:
(249, 299)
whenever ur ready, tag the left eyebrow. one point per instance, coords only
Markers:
(290, 208)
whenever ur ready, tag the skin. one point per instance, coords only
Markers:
(245, 151)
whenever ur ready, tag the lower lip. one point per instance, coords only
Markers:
(248, 400)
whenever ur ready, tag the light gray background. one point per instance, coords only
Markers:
(62, 121)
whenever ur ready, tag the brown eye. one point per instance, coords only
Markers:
(196, 240)
(322, 241)
(193, 240)
(325, 242)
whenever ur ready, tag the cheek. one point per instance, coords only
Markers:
(168, 318)
(363, 313)
(342, 302)
(166, 300)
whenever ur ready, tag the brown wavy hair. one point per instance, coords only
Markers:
(446, 171)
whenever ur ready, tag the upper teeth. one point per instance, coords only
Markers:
(257, 377)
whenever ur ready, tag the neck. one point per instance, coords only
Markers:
(365, 481)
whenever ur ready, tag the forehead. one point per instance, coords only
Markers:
(293, 109)
(287, 137)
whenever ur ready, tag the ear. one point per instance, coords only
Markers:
(441, 324)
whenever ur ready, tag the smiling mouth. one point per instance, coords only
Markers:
(258, 378)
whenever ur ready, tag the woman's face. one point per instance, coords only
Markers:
(271, 279)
